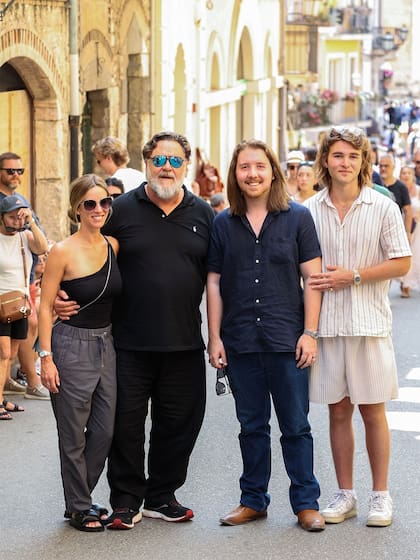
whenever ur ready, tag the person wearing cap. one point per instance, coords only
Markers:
(294, 159)
(18, 228)
(11, 172)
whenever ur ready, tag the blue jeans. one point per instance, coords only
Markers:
(254, 377)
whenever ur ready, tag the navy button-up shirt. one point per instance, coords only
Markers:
(260, 282)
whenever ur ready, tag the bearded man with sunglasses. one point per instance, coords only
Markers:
(163, 231)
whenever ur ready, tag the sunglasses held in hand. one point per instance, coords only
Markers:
(222, 382)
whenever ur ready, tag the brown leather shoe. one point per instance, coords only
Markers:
(311, 520)
(241, 515)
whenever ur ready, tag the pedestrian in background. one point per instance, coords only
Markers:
(218, 202)
(27, 381)
(263, 327)
(363, 245)
(294, 159)
(115, 187)
(412, 279)
(397, 188)
(20, 236)
(77, 356)
(306, 183)
(112, 157)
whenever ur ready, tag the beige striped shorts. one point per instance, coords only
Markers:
(360, 367)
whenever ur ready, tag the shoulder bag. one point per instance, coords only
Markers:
(15, 305)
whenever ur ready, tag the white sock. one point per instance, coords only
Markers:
(348, 492)
(380, 493)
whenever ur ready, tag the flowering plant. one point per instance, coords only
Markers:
(362, 96)
(313, 107)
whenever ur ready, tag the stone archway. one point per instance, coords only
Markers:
(48, 158)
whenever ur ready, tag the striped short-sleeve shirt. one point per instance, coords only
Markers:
(372, 231)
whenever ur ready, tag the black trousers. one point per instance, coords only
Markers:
(174, 384)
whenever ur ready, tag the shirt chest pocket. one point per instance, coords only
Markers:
(282, 250)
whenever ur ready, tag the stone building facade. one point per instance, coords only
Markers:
(74, 71)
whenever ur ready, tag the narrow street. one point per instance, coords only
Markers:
(32, 526)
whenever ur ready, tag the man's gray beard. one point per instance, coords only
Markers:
(164, 193)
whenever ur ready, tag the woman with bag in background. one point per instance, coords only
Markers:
(20, 236)
(77, 356)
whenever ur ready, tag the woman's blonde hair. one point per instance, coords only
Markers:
(78, 188)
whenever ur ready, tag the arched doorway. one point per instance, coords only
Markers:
(16, 131)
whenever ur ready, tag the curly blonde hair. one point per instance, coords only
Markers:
(354, 136)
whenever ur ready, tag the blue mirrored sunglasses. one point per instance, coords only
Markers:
(174, 161)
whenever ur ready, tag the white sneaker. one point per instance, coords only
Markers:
(380, 510)
(342, 506)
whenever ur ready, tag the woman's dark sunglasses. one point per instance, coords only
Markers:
(160, 161)
(104, 203)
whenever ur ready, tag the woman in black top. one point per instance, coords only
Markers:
(77, 356)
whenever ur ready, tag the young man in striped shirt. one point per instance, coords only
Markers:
(364, 245)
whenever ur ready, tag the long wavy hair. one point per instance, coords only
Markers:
(278, 199)
(354, 136)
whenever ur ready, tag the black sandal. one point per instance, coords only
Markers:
(4, 414)
(100, 510)
(14, 407)
(81, 519)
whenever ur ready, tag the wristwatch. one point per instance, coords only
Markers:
(356, 278)
(313, 334)
(44, 353)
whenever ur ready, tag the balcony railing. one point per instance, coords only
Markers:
(352, 19)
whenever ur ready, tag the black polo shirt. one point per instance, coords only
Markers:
(162, 259)
(260, 281)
